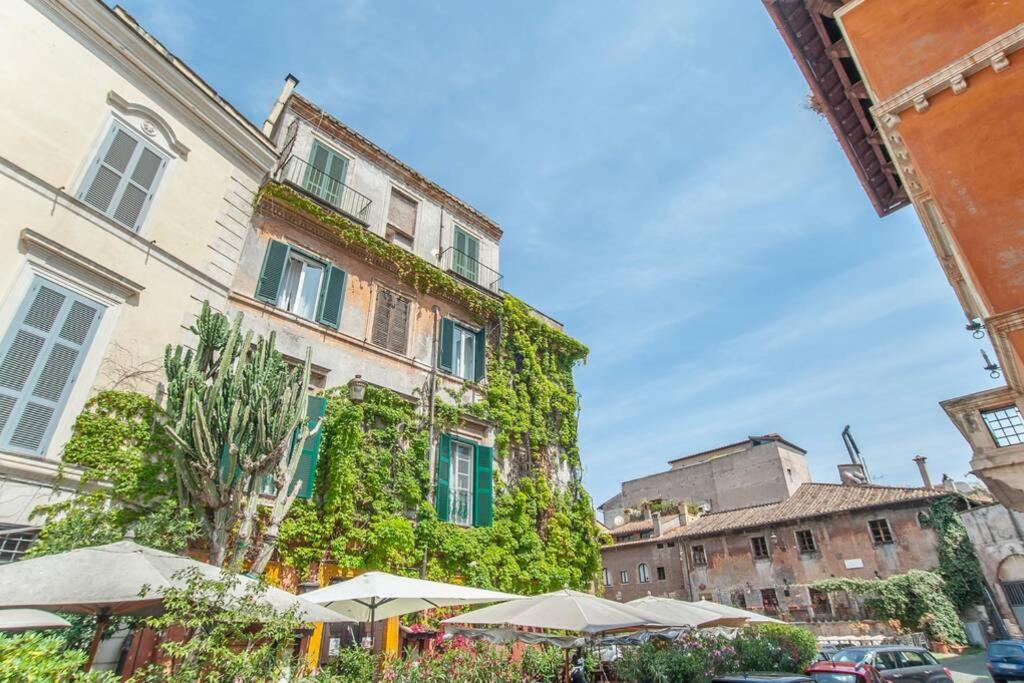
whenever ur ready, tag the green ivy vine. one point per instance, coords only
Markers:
(958, 563)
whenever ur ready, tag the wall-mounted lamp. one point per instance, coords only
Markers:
(776, 541)
(993, 368)
(357, 389)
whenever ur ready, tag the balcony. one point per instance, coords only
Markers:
(469, 268)
(325, 188)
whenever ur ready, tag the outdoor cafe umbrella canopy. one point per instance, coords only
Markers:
(107, 580)
(727, 611)
(17, 620)
(379, 595)
(685, 613)
(563, 610)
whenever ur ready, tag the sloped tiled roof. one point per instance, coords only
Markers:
(633, 527)
(810, 500)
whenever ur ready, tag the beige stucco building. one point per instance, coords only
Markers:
(127, 185)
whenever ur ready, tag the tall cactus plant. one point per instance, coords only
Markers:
(238, 416)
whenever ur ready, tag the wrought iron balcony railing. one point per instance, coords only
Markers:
(328, 189)
(464, 265)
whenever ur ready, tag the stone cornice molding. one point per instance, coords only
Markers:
(993, 54)
(34, 242)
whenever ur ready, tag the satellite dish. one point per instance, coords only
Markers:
(619, 520)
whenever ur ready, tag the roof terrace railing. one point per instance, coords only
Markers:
(464, 265)
(326, 188)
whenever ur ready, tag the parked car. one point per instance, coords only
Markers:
(762, 678)
(898, 663)
(827, 671)
(1006, 660)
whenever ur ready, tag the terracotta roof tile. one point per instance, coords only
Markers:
(632, 527)
(810, 500)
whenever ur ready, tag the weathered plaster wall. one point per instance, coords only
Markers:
(766, 473)
(997, 534)
(897, 43)
(660, 554)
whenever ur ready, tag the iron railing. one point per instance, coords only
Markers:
(464, 265)
(328, 189)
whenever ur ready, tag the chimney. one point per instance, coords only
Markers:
(656, 519)
(920, 460)
(645, 511)
(275, 112)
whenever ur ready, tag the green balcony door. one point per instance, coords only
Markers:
(325, 174)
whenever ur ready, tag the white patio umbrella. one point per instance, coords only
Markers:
(563, 610)
(106, 580)
(728, 611)
(685, 613)
(379, 595)
(17, 620)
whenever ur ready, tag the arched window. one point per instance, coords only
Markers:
(642, 573)
(607, 576)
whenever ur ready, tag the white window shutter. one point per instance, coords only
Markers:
(123, 177)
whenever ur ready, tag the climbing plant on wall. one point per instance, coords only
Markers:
(958, 563)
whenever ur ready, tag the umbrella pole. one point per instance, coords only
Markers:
(566, 677)
(102, 619)
(373, 623)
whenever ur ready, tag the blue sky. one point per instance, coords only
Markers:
(664, 192)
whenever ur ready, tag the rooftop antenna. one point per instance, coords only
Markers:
(855, 457)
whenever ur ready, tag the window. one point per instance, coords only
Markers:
(301, 284)
(739, 599)
(401, 218)
(465, 482)
(391, 321)
(660, 546)
(770, 600)
(881, 534)
(805, 542)
(122, 178)
(461, 482)
(40, 357)
(883, 661)
(463, 351)
(908, 658)
(624, 576)
(671, 544)
(660, 572)
(1005, 425)
(819, 601)
(607, 576)
(465, 258)
(643, 575)
(759, 547)
(15, 541)
(700, 558)
(325, 174)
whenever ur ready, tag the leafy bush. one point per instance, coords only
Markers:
(32, 657)
(775, 647)
(352, 665)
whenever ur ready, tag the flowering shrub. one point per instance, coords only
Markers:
(459, 660)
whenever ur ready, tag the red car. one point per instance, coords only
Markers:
(827, 671)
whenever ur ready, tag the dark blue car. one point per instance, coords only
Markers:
(1006, 660)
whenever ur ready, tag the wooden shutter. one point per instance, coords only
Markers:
(402, 213)
(274, 262)
(483, 487)
(123, 177)
(444, 469)
(325, 173)
(40, 358)
(446, 354)
(480, 362)
(391, 321)
(332, 294)
(306, 471)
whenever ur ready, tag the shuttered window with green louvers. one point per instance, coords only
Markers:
(465, 500)
(301, 283)
(123, 177)
(40, 358)
(463, 350)
(391, 321)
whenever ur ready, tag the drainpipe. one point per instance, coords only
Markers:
(440, 238)
(431, 402)
(290, 82)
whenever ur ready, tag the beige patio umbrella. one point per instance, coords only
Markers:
(379, 595)
(685, 613)
(563, 610)
(106, 581)
(728, 611)
(17, 620)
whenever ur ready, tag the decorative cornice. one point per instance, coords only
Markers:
(130, 108)
(992, 54)
(33, 242)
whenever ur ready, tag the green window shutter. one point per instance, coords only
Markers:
(332, 295)
(273, 270)
(306, 471)
(480, 363)
(483, 487)
(444, 468)
(446, 355)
